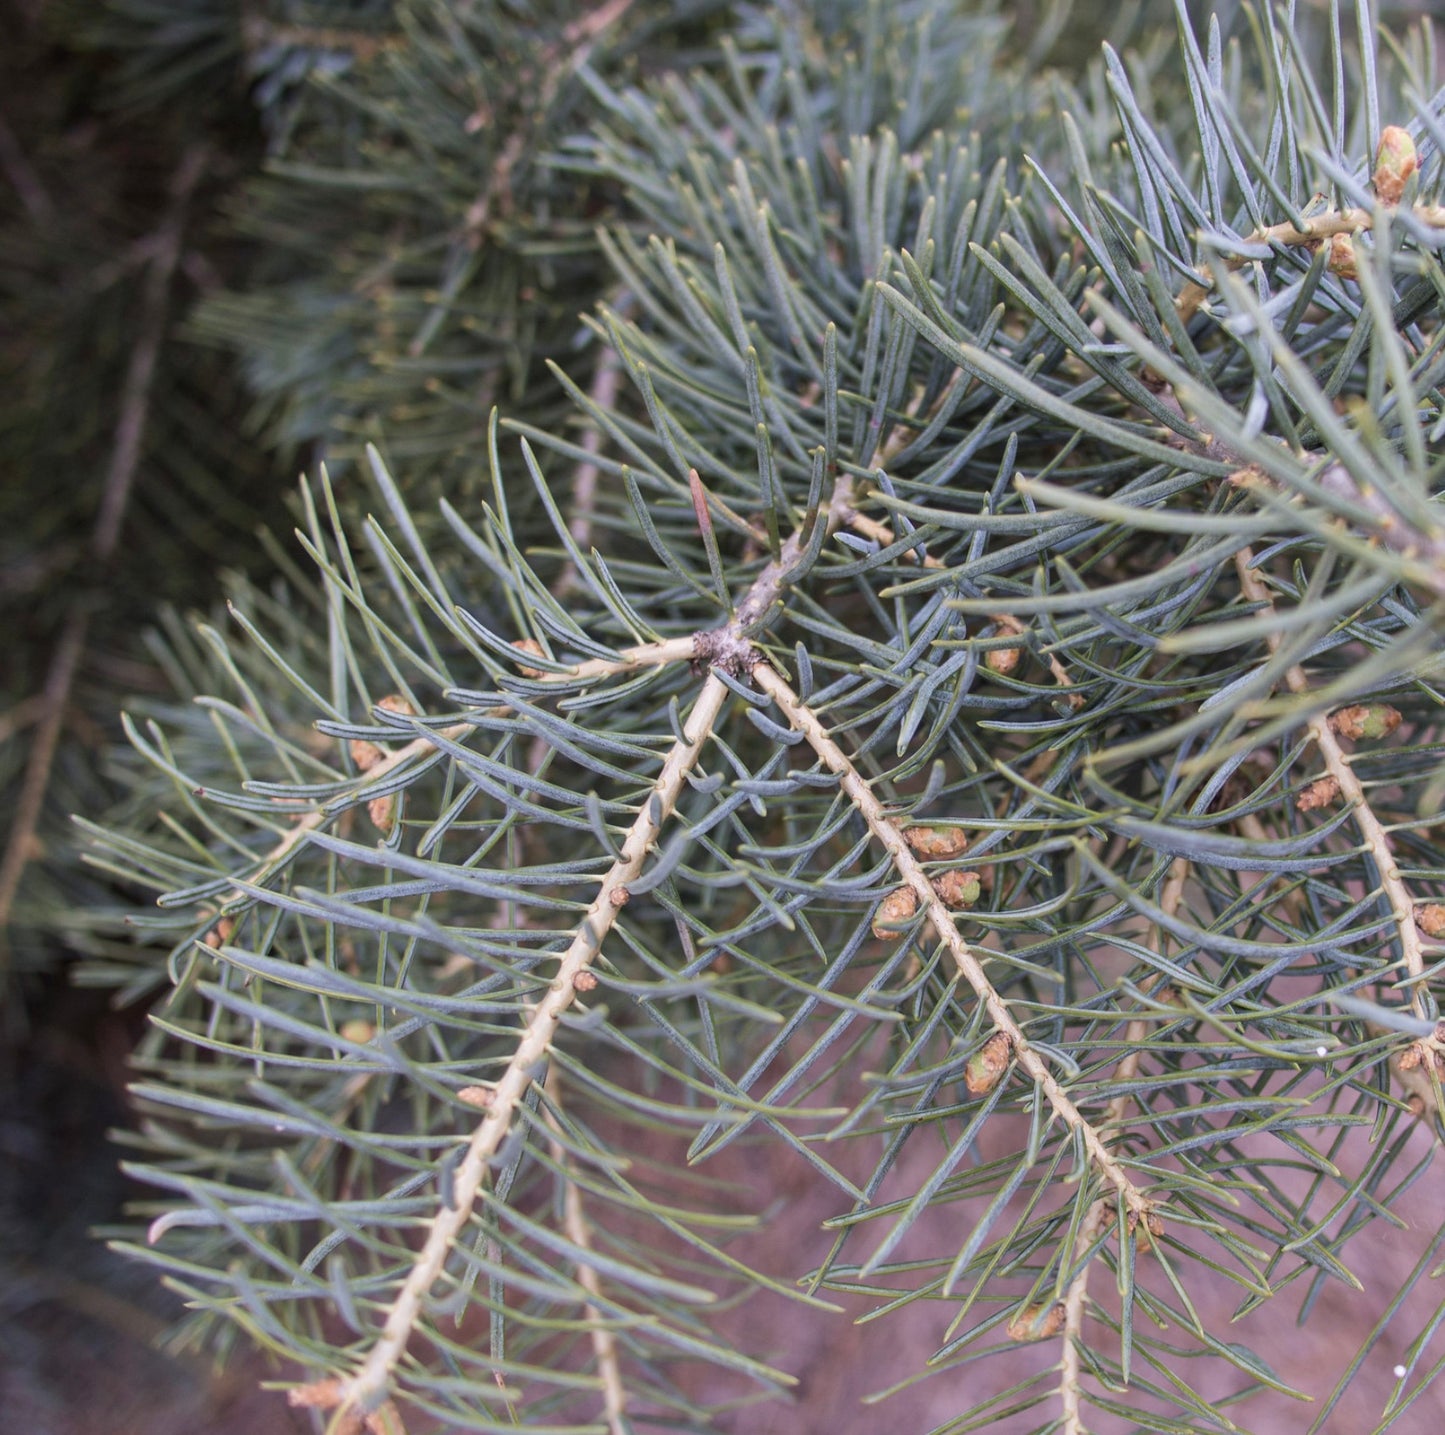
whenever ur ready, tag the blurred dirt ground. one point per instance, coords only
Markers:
(80, 1328)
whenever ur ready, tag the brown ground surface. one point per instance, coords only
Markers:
(79, 1326)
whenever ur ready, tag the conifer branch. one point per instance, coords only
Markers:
(1338, 766)
(309, 822)
(125, 458)
(370, 1384)
(558, 63)
(579, 1232)
(1317, 229)
(890, 835)
(1076, 1298)
(671, 650)
(1390, 528)
(1004, 658)
(603, 394)
(258, 33)
(1395, 166)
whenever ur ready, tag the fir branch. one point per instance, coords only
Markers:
(1005, 659)
(1395, 165)
(579, 1232)
(944, 923)
(24, 179)
(1391, 528)
(557, 62)
(362, 1391)
(629, 660)
(603, 394)
(1338, 766)
(1076, 1298)
(311, 821)
(125, 458)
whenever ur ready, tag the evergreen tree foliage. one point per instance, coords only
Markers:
(980, 666)
(124, 482)
(418, 254)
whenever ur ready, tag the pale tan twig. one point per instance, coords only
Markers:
(1315, 229)
(603, 393)
(1337, 764)
(579, 1232)
(1076, 1297)
(259, 33)
(890, 835)
(371, 1382)
(24, 180)
(629, 660)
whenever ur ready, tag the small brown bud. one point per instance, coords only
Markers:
(328, 1394)
(1431, 919)
(1376, 720)
(619, 896)
(365, 754)
(319, 1395)
(1036, 1322)
(988, 1065)
(1395, 163)
(1153, 1223)
(1412, 1056)
(1342, 257)
(1003, 660)
(958, 889)
(385, 1420)
(478, 1096)
(357, 1030)
(931, 843)
(1321, 793)
(584, 981)
(895, 909)
(221, 933)
(530, 645)
(382, 811)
